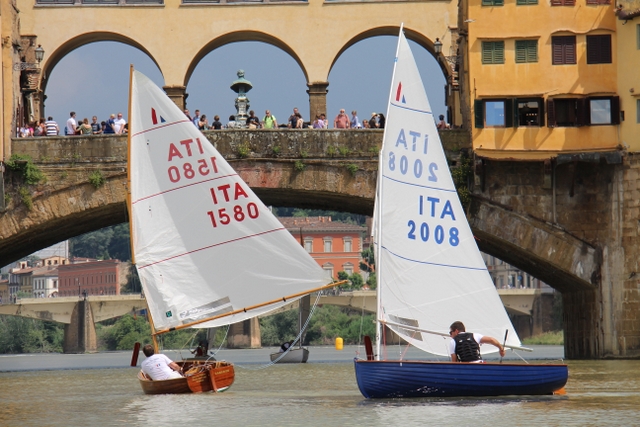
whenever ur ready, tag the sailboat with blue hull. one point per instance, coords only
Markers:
(430, 272)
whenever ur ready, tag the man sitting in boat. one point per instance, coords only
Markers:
(465, 347)
(158, 366)
(285, 346)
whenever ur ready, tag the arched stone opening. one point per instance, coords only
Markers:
(380, 45)
(83, 39)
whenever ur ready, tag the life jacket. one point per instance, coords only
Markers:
(467, 349)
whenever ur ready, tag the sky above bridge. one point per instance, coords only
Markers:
(94, 80)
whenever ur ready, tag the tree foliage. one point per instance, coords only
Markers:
(22, 335)
(327, 323)
(107, 243)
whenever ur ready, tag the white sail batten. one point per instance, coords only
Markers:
(204, 243)
(431, 272)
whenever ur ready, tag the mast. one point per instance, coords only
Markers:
(133, 254)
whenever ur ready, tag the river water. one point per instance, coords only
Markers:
(599, 393)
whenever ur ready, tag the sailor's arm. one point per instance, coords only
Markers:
(490, 340)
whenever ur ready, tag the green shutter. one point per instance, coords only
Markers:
(478, 112)
(487, 52)
(498, 53)
(521, 51)
(526, 51)
(532, 50)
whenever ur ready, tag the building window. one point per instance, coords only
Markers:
(598, 1)
(563, 50)
(347, 244)
(637, 110)
(328, 241)
(493, 113)
(328, 268)
(604, 111)
(526, 51)
(526, 2)
(308, 244)
(493, 52)
(569, 112)
(638, 36)
(492, 2)
(599, 49)
(348, 268)
(529, 112)
(563, 2)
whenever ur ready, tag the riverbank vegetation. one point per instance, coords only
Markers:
(547, 338)
(21, 335)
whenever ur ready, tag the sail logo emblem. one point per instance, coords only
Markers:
(168, 314)
(154, 117)
(399, 94)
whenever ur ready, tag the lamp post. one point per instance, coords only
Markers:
(39, 54)
(241, 87)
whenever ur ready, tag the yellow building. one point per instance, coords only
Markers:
(542, 77)
(628, 33)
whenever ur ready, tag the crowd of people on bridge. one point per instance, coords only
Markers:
(116, 124)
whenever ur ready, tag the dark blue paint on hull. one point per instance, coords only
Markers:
(393, 379)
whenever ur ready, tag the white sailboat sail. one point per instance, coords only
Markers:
(430, 271)
(204, 244)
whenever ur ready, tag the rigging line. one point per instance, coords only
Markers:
(267, 365)
(213, 353)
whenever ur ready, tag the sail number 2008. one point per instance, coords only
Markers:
(438, 234)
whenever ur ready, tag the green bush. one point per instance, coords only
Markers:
(97, 179)
(352, 168)
(299, 166)
(25, 196)
(23, 164)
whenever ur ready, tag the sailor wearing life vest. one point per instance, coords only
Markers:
(465, 347)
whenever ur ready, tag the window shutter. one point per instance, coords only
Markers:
(532, 50)
(551, 114)
(615, 110)
(556, 2)
(540, 102)
(521, 51)
(508, 113)
(557, 51)
(498, 53)
(478, 110)
(583, 112)
(570, 50)
(487, 52)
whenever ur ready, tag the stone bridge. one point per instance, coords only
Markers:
(78, 315)
(571, 224)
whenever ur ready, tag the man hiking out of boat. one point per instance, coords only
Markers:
(158, 366)
(465, 346)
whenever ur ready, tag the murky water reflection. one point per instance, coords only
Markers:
(599, 393)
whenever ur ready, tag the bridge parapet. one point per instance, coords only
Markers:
(232, 144)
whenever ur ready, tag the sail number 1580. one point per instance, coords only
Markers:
(237, 213)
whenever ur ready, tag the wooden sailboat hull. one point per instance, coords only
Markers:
(200, 377)
(296, 355)
(396, 378)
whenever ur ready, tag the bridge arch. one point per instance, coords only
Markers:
(243, 36)
(410, 34)
(83, 39)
